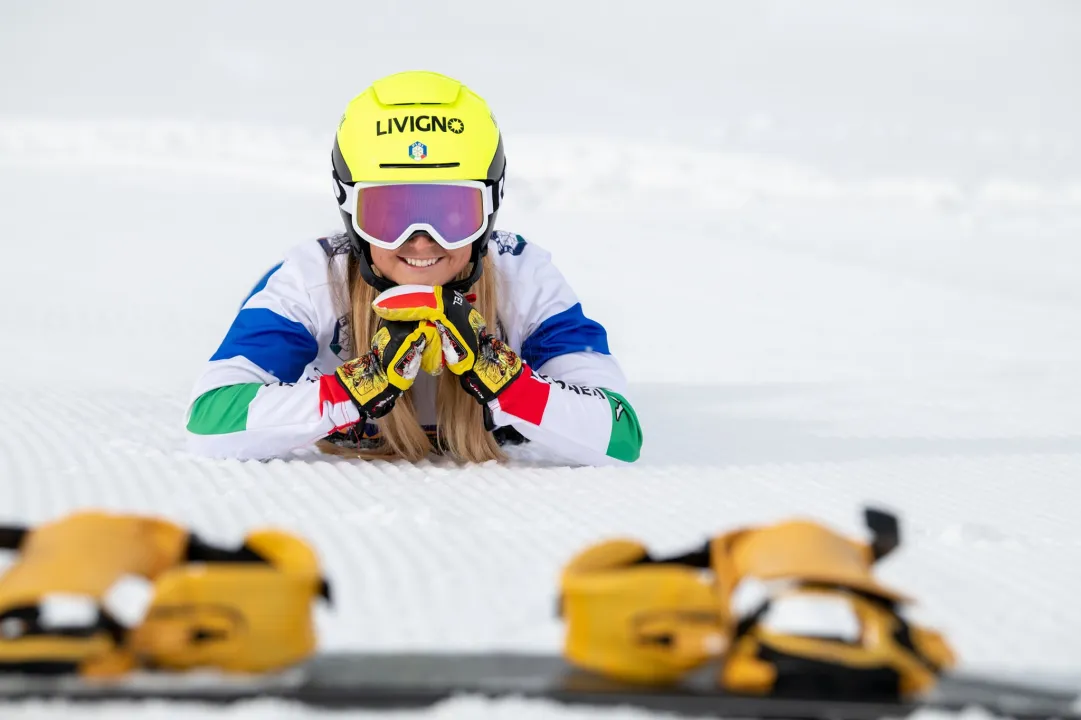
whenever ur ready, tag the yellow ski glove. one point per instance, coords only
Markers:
(486, 365)
(399, 350)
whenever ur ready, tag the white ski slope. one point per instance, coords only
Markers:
(858, 223)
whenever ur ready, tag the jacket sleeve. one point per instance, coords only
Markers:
(576, 406)
(574, 402)
(254, 398)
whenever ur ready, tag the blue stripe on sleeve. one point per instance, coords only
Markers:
(281, 346)
(262, 283)
(566, 332)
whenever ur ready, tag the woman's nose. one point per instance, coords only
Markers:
(421, 239)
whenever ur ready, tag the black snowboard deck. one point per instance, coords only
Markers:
(393, 681)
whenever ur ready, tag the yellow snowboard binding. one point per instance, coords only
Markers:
(791, 609)
(247, 609)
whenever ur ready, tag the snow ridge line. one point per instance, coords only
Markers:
(569, 172)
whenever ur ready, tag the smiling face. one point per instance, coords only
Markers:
(420, 261)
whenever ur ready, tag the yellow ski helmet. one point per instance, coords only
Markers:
(418, 128)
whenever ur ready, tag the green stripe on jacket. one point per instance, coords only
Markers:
(625, 442)
(222, 410)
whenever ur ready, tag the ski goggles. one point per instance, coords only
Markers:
(453, 213)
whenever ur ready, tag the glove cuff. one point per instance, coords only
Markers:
(494, 370)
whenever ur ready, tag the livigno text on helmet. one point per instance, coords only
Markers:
(420, 123)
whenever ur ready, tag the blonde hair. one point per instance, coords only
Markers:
(460, 418)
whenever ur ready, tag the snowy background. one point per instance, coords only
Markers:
(864, 217)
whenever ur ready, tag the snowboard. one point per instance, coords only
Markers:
(394, 681)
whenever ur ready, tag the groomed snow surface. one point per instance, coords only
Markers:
(835, 248)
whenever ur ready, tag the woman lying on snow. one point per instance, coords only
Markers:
(421, 326)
